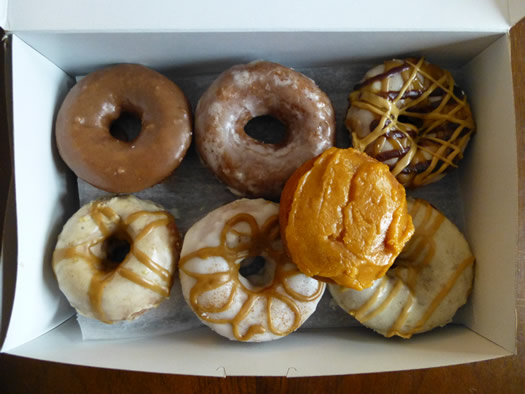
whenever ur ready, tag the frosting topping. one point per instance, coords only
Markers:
(419, 122)
(110, 224)
(241, 239)
(345, 218)
(412, 268)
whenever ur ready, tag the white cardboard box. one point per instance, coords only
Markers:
(48, 44)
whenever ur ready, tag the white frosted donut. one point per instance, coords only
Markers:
(271, 301)
(428, 282)
(98, 282)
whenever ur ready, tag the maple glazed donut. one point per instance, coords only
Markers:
(429, 281)
(115, 258)
(248, 166)
(83, 128)
(237, 278)
(412, 116)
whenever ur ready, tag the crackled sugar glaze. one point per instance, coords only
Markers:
(404, 280)
(109, 223)
(246, 91)
(259, 241)
(418, 122)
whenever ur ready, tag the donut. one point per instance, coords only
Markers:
(237, 278)
(429, 281)
(115, 258)
(412, 116)
(343, 218)
(83, 128)
(248, 166)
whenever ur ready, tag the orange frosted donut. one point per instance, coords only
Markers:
(250, 167)
(344, 218)
(412, 116)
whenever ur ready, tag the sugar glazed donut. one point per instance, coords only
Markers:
(237, 278)
(93, 104)
(343, 218)
(115, 258)
(248, 166)
(412, 116)
(429, 281)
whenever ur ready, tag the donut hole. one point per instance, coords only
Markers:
(256, 272)
(266, 129)
(115, 248)
(126, 127)
(417, 122)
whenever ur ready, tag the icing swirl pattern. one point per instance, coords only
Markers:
(231, 304)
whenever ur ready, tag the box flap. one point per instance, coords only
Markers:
(38, 86)
(343, 351)
(489, 168)
(516, 11)
(275, 15)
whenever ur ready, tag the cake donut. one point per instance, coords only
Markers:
(412, 116)
(83, 128)
(343, 218)
(429, 281)
(115, 258)
(248, 166)
(237, 278)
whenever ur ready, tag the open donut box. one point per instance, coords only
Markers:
(46, 45)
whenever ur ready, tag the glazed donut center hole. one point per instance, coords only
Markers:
(257, 272)
(410, 120)
(266, 129)
(116, 248)
(126, 127)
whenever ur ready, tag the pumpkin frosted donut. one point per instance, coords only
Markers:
(115, 258)
(429, 281)
(412, 116)
(237, 278)
(93, 104)
(250, 167)
(344, 218)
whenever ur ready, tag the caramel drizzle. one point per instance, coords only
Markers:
(108, 222)
(417, 255)
(386, 108)
(260, 241)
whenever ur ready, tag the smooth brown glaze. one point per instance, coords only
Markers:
(243, 92)
(93, 104)
(260, 241)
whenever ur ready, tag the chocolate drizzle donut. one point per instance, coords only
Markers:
(84, 121)
(248, 166)
(412, 116)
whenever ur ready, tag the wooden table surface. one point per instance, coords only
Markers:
(505, 375)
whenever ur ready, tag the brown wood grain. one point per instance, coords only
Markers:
(505, 375)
